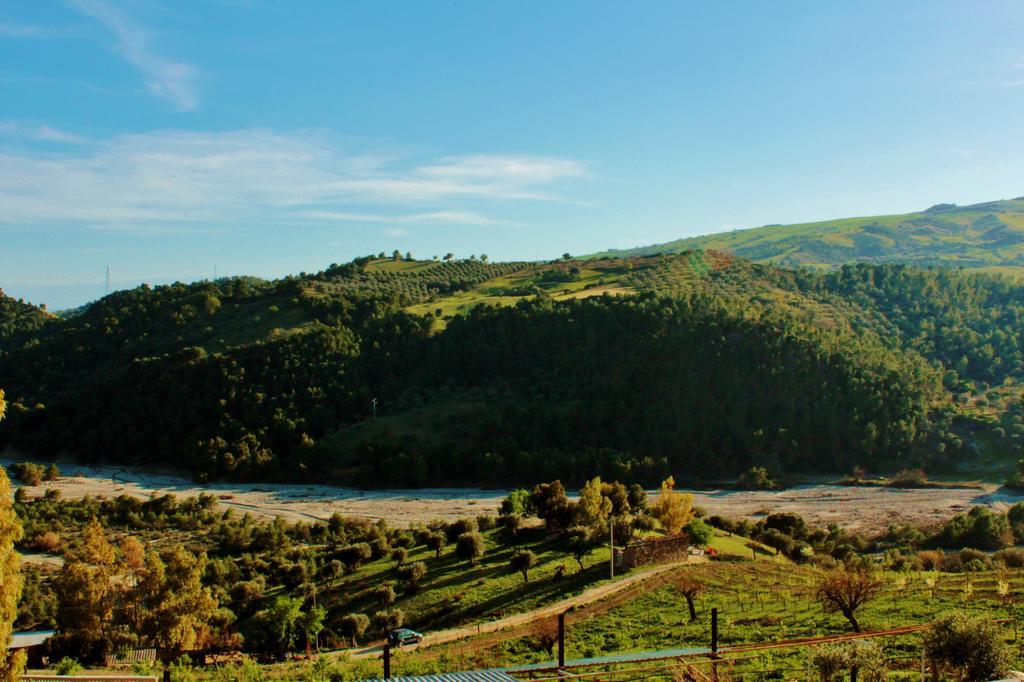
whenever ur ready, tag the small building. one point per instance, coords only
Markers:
(32, 644)
(652, 551)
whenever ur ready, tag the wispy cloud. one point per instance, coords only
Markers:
(19, 31)
(42, 132)
(439, 217)
(193, 180)
(171, 80)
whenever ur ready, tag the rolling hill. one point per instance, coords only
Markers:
(699, 364)
(989, 236)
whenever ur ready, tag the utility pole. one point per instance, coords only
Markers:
(108, 282)
(374, 401)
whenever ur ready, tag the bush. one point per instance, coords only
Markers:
(517, 502)
(27, 473)
(67, 666)
(756, 478)
(1010, 557)
(522, 561)
(930, 560)
(384, 594)
(909, 478)
(972, 648)
(699, 532)
(974, 557)
(46, 542)
(833, 661)
(412, 574)
(52, 473)
(486, 522)
(470, 546)
(460, 527)
(388, 620)
(353, 626)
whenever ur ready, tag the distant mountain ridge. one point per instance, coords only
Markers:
(988, 235)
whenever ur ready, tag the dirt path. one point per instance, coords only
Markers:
(523, 619)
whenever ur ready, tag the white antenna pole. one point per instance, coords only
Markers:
(108, 281)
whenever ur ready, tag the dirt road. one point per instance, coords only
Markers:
(524, 619)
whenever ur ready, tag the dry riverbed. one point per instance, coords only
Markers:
(866, 508)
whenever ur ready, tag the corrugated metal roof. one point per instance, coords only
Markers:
(23, 640)
(505, 674)
(471, 676)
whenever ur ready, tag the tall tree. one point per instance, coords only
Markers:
(11, 665)
(672, 508)
(85, 592)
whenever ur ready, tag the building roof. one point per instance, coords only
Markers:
(24, 640)
(471, 676)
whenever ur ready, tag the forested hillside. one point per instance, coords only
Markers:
(699, 364)
(18, 317)
(988, 235)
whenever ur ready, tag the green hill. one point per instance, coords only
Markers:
(988, 235)
(699, 364)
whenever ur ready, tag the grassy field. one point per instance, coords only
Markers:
(989, 236)
(757, 602)
(510, 289)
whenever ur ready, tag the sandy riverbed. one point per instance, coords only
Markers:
(866, 508)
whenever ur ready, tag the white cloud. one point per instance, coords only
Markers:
(164, 179)
(165, 78)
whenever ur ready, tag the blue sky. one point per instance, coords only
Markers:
(166, 139)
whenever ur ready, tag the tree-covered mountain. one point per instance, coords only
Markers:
(699, 364)
(988, 235)
(18, 317)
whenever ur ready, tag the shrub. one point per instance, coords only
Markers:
(1010, 557)
(523, 561)
(67, 666)
(399, 555)
(512, 523)
(970, 556)
(864, 658)
(412, 574)
(755, 478)
(436, 542)
(460, 527)
(384, 594)
(972, 647)
(486, 522)
(52, 473)
(27, 473)
(388, 620)
(930, 560)
(545, 634)
(909, 478)
(471, 547)
(699, 532)
(517, 502)
(353, 626)
(46, 542)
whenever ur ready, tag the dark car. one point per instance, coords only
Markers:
(404, 636)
